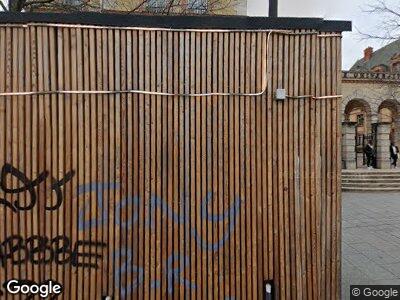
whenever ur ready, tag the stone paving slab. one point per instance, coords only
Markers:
(370, 240)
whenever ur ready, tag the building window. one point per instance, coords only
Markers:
(197, 6)
(192, 6)
(396, 67)
(156, 5)
(379, 69)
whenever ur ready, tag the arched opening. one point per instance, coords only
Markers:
(359, 111)
(388, 113)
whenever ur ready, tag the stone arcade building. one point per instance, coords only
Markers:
(371, 106)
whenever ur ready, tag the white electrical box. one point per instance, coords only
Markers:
(280, 94)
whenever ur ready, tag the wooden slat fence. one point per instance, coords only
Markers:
(143, 196)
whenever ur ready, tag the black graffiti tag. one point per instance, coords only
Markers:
(29, 186)
(42, 250)
(56, 187)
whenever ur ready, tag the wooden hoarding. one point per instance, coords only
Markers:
(137, 195)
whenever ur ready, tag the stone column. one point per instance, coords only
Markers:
(382, 145)
(349, 145)
(397, 131)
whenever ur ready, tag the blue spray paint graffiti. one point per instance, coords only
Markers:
(156, 202)
(127, 268)
(174, 275)
(98, 187)
(230, 214)
(184, 219)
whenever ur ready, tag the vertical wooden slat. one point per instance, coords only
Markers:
(111, 164)
(231, 159)
(3, 140)
(204, 176)
(198, 195)
(99, 84)
(307, 160)
(8, 135)
(260, 163)
(286, 134)
(209, 155)
(302, 163)
(106, 151)
(152, 158)
(140, 156)
(176, 227)
(183, 176)
(81, 128)
(35, 139)
(274, 153)
(117, 160)
(328, 127)
(29, 77)
(291, 168)
(247, 154)
(128, 162)
(55, 136)
(16, 269)
(166, 165)
(58, 82)
(270, 163)
(313, 184)
(334, 175)
(280, 173)
(225, 156)
(297, 144)
(236, 163)
(41, 140)
(253, 175)
(135, 209)
(48, 139)
(71, 140)
(318, 164)
(21, 132)
(158, 172)
(215, 158)
(323, 168)
(338, 169)
(93, 148)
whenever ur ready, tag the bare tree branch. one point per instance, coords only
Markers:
(3, 6)
(389, 27)
(165, 7)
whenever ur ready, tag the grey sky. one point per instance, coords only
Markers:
(352, 10)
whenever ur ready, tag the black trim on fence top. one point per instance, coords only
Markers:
(178, 22)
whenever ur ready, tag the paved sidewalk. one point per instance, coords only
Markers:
(371, 239)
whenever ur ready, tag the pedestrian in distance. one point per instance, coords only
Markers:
(370, 153)
(394, 155)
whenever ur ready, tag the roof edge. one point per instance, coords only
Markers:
(179, 22)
